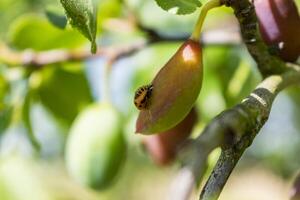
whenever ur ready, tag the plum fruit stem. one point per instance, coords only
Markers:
(205, 8)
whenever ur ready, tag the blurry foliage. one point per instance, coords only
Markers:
(152, 16)
(26, 31)
(20, 177)
(26, 119)
(107, 9)
(63, 89)
(11, 9)
(5, 108)
(40, 104)
(294, 94)
(56, 16)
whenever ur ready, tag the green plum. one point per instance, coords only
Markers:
(96, 148)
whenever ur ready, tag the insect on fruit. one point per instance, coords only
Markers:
(142, 96)
(176, 88)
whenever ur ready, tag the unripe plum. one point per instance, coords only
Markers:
(174, 90)
(96, 148)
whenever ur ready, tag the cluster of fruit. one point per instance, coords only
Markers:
(167, 104)
(171, 95)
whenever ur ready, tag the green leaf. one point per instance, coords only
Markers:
(153, 17)
(294, 94)
(211, 100)
(64, 91)
(243, 80)
(82, 15)
(4, 89)
(27, 121)
(180, 7)
(56, 17)
(35, 32)
(5, 118)
(5, 108)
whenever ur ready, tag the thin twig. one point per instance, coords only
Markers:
(40, 59)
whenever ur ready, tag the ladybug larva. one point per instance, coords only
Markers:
(142, 96)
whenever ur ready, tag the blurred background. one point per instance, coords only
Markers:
(42, 147)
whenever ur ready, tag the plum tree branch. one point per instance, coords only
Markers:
(39, 59)
(233, 130)
(257, 106)
(245, 13)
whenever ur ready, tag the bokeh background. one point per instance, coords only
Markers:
(61, 91)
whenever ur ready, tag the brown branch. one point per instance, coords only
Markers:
(39, 59)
